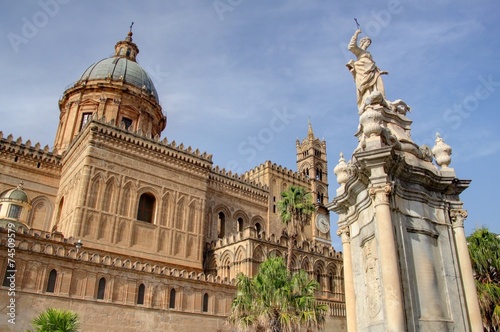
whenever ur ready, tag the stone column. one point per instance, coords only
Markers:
(350, 295)
(390, 276)
(457, 219)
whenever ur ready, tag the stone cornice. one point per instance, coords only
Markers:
(103, 131)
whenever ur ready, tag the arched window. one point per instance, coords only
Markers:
(205, 302)
(221, 225)
(140, 294)
(258, 228)
(51, 284)
(318, 279)
(240, 224)
(101, 288)
(145, 212)
(171, 303)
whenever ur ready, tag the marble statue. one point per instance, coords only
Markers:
(366, 74)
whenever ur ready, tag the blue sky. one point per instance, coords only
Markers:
(225, 70)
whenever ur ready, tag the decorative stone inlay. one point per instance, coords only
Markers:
(458, 217)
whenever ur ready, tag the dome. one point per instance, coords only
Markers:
(120, 69)
(16, 194)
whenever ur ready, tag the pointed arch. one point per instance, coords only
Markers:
(101, 289)
(192, 216)
(180, 213)
(125, 200)
(140, 294)
(171, 300)
(306, 265)
(93, 194)
(51, 281)
(205, 302)
(109, 195)
(166, 211)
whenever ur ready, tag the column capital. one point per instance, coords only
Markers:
(380, 193)
(457, 217)
(344, 234)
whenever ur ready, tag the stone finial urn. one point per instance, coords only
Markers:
(341, 171)
(370, 119)
(441, 152)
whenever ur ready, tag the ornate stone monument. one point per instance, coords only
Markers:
(406, 264)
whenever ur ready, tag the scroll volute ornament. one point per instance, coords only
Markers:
(458, 217)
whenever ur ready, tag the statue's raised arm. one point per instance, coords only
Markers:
(366, 74)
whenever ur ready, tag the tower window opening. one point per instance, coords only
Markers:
(205, 302)
(171, 303)
(85, 119)
(331, 283)
(221, 226)
(140, 294)
(51, 284)
(146, 208)
(101, 288)
(240, 224)
(127, 122)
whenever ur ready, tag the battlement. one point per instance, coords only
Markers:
(273, 167)
(35, 152)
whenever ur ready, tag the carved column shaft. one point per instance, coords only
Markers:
(390, 276)
(350, 295)
(457, 219)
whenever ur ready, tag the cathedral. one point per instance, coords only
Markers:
(135, 232)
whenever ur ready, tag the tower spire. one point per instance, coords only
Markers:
(310, 133)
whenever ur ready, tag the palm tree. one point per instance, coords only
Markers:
(484, 251)
(295, 209)
(276, 301)
(56, 320)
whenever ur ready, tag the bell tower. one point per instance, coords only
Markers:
(311, 162)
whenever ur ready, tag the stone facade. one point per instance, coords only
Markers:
(135, 232)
